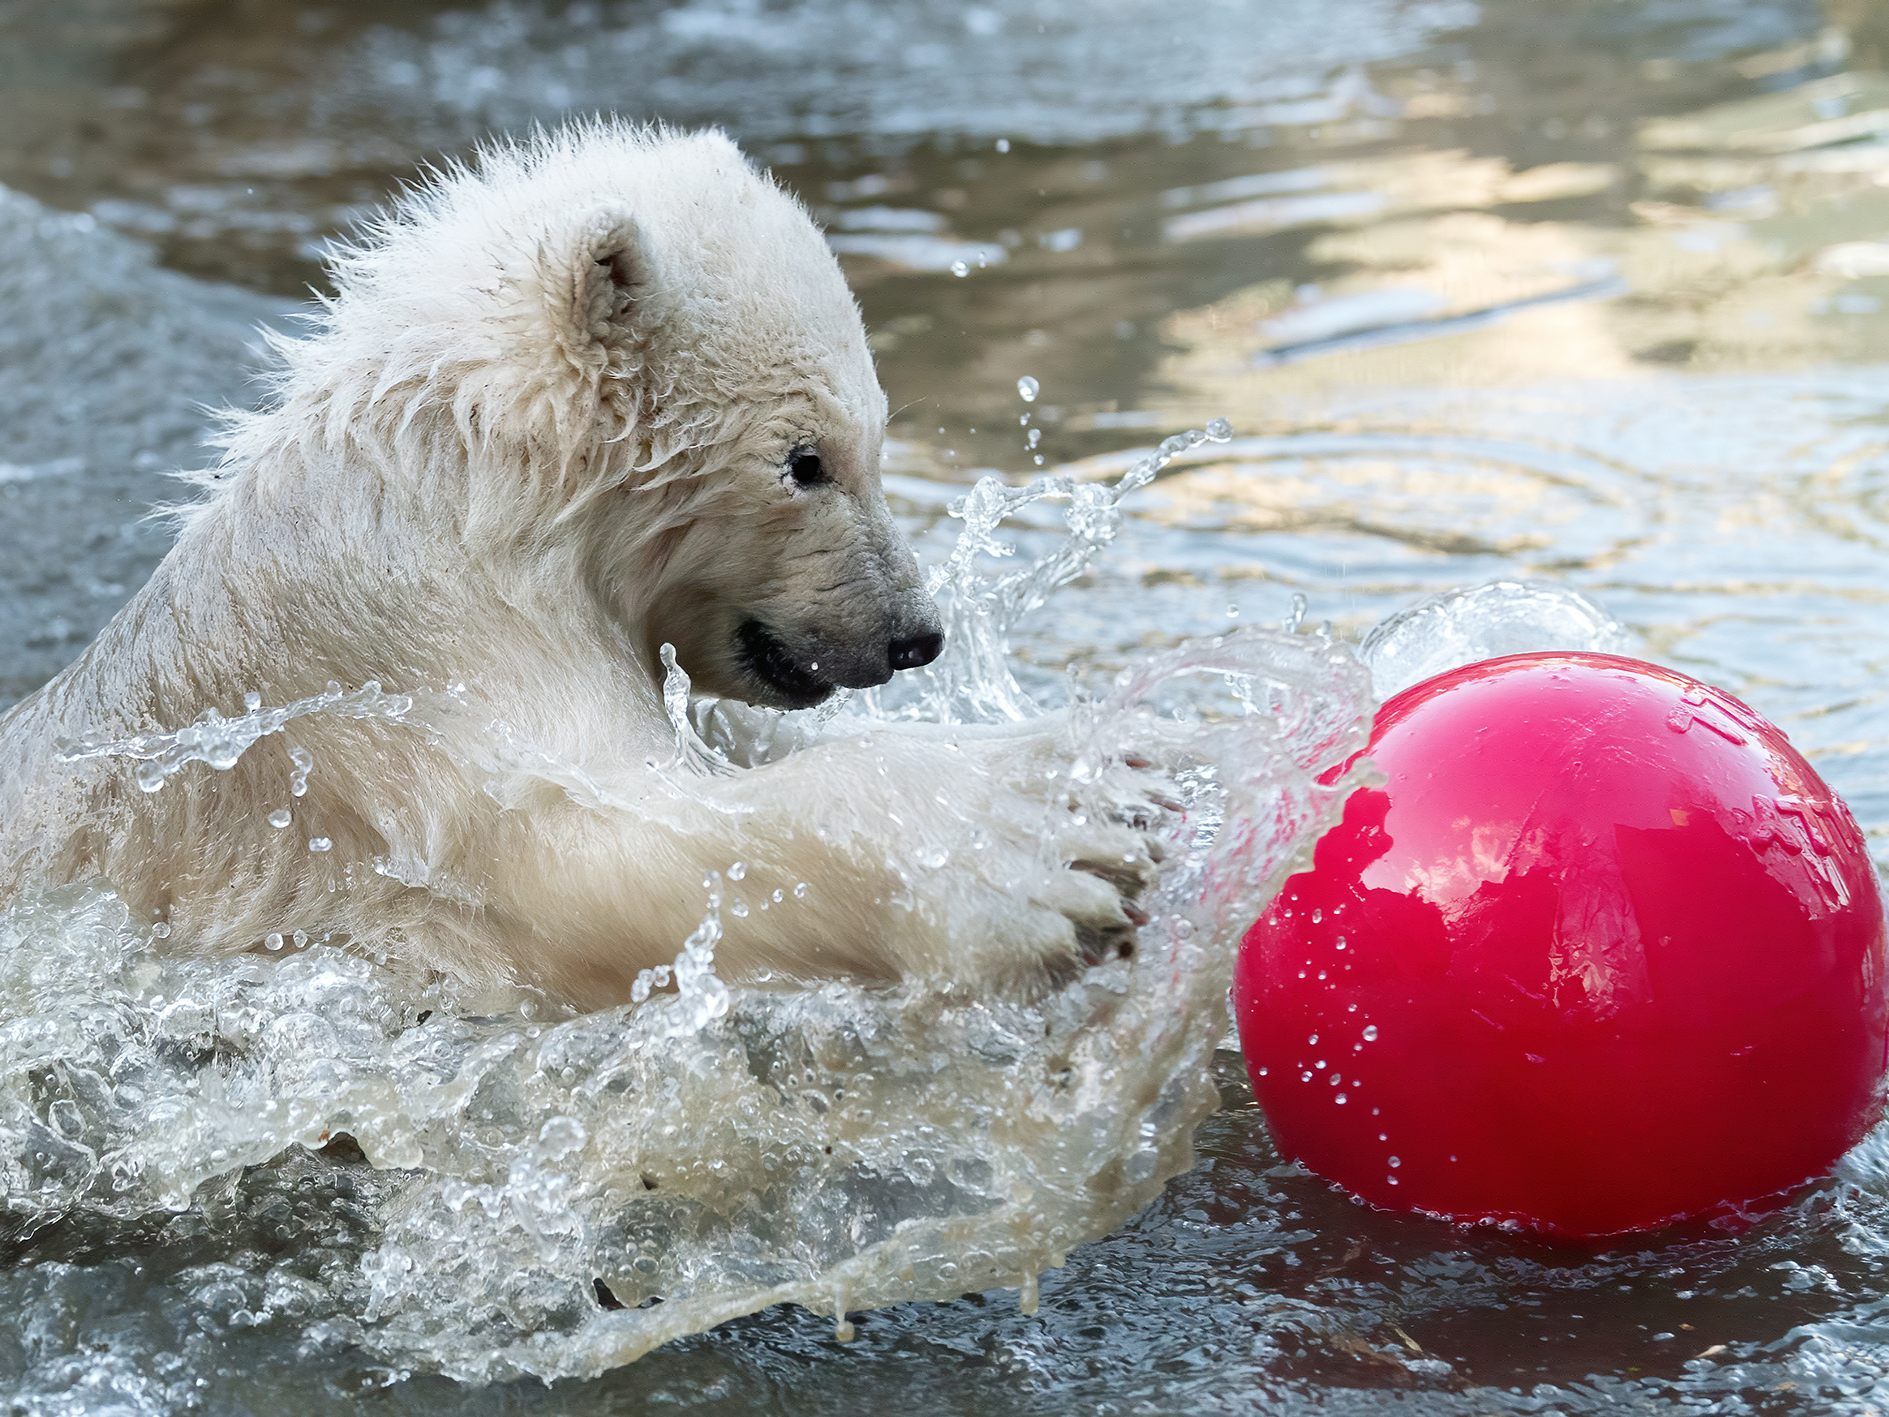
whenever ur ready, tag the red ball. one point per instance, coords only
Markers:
(1602, 952)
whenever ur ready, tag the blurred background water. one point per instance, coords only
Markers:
(1579, 290)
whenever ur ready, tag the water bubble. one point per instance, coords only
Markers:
(320, 844)
(960, 269)
(1027, 389)
(561, 1137)
(302, 763)
(738, 871)
(273, 940)
(66, 1118)
(1370, 1033)
(280, 818)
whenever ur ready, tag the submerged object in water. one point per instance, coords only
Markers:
(1601, 951)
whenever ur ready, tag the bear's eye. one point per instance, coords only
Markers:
(805, 467)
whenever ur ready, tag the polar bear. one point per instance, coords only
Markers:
(602, 391)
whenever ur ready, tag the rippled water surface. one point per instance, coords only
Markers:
(1589, 292)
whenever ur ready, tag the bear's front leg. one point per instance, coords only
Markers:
(961, 864)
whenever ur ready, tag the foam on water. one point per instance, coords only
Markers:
(536, 1193)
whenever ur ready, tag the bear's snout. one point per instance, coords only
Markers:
(914, 636)
(796, 667)
(915, 651)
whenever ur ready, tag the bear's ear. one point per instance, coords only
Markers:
(609, 276)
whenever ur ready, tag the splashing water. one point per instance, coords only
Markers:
(974, 682)
(554, 1195)
(1483, 622)
(220, 742)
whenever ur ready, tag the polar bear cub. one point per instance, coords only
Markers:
(602, 392)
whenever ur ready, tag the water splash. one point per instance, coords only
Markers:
(219, 742)
(555, 1195)
(700, 997)
(982, 607)
(694, 753)
(1482, 622)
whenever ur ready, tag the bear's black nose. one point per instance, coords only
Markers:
(915, 650)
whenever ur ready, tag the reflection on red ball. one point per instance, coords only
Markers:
(1602, 952)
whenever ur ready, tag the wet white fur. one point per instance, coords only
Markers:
(537, 432)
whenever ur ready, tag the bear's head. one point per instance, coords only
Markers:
(658, 396)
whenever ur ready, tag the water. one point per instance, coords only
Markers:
(1583, 295)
